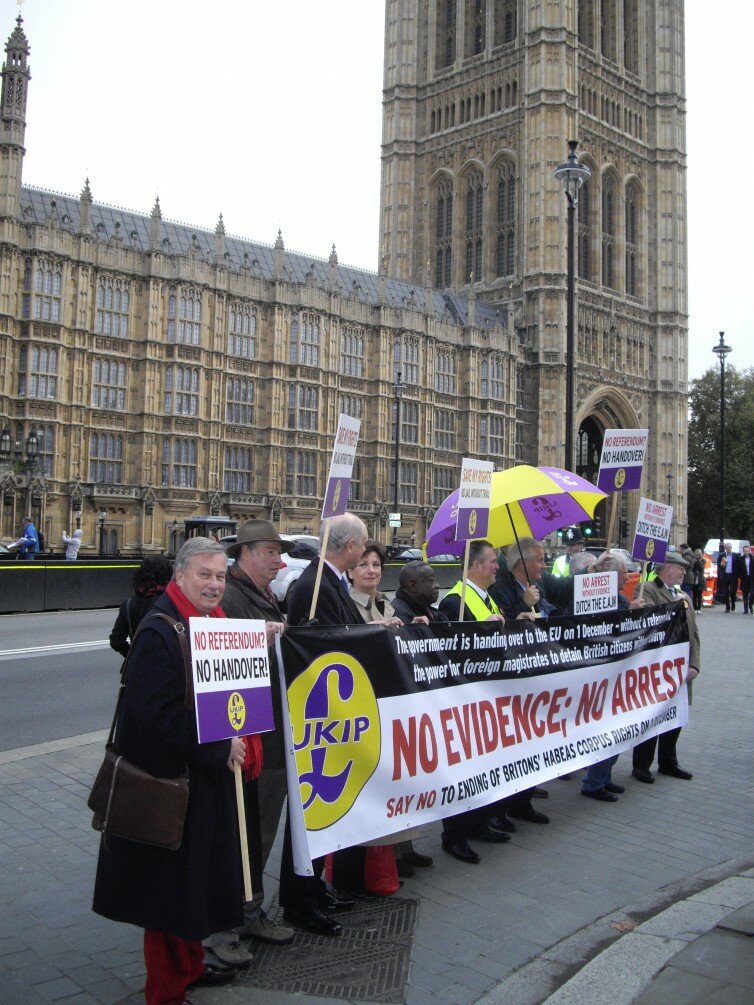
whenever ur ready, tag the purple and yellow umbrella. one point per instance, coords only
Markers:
(526, 502)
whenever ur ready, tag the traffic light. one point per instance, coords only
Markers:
(587, 528)
(560, 533)
(624, 529)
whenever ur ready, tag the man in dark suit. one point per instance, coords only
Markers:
(745, 576)
(305, 900)
(727, 580)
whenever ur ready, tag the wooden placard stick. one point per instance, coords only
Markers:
(463, 579)
(615, 503)
(247, 893)
(317, 582)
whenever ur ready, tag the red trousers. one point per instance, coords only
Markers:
(172, 964)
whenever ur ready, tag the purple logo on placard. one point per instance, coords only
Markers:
(620, 479)
(336, 497)
(472, 524)
(222, 714)
(649, 549)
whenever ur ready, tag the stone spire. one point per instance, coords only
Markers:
(85, 210)
(16, 76)
(333, 263)
(155, 226)
(220, 241)
(278, 262)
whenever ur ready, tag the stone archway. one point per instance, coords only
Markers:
(605, 408)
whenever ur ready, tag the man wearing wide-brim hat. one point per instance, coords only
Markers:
(257, 551)
(665, 590)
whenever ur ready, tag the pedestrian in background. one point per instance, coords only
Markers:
(28, 543)
(72, 545)
(149, 582)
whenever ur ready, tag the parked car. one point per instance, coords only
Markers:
(305, 548)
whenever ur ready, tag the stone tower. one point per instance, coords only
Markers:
(480, 99)
(16, 76)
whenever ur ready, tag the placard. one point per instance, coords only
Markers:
(474, 499)
(622, 459)
(595, 592)
(231, 672)
(341, 466)
(652, 531)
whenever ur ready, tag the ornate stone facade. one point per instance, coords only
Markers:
(480, 99)
(167, 371)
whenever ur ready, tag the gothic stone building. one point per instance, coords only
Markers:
(480, 99)
(166, 372)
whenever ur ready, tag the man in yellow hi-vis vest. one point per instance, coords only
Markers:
(478, 606)
(574, 542)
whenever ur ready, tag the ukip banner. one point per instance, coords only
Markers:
(393, 728)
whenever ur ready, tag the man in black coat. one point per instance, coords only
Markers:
(417, 592)
(745, 577)
(177, 897)
(305, 900)
(257, 552)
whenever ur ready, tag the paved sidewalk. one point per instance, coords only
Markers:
(601, 890)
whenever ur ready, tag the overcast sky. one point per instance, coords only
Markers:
(270, 113)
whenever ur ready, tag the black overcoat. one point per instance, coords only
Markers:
(198, 889)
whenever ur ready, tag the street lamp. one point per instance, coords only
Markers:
(572, 175)
(398, 394)
(102, 517)
(721, 350)
(669, 477)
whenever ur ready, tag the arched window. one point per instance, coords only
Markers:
(632, 240)
(583, 232)
(505, 21)
(239, 401)
(505, 257)
(631, 36)
(106, 458)
(445, 36)
(586, 23)
(182, 390)
(608, 231)
(444, 234)
(113, 301)
(475, 27)
(242, 330)
(473, 228)
(607, 30)
(237, 470)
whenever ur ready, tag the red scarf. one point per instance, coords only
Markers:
(253, 760)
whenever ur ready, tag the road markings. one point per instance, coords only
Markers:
(63, 647)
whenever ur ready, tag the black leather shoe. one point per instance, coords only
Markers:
(538, 793)
(601, 794)
(643, 775)
(214, 975)
(405, 869)
(618, 790)
(533, 816)
(676, 771)
(313, 921)
(417, 860)
(490, 834)
(333, 903)
(502, 823)
(462, 852)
